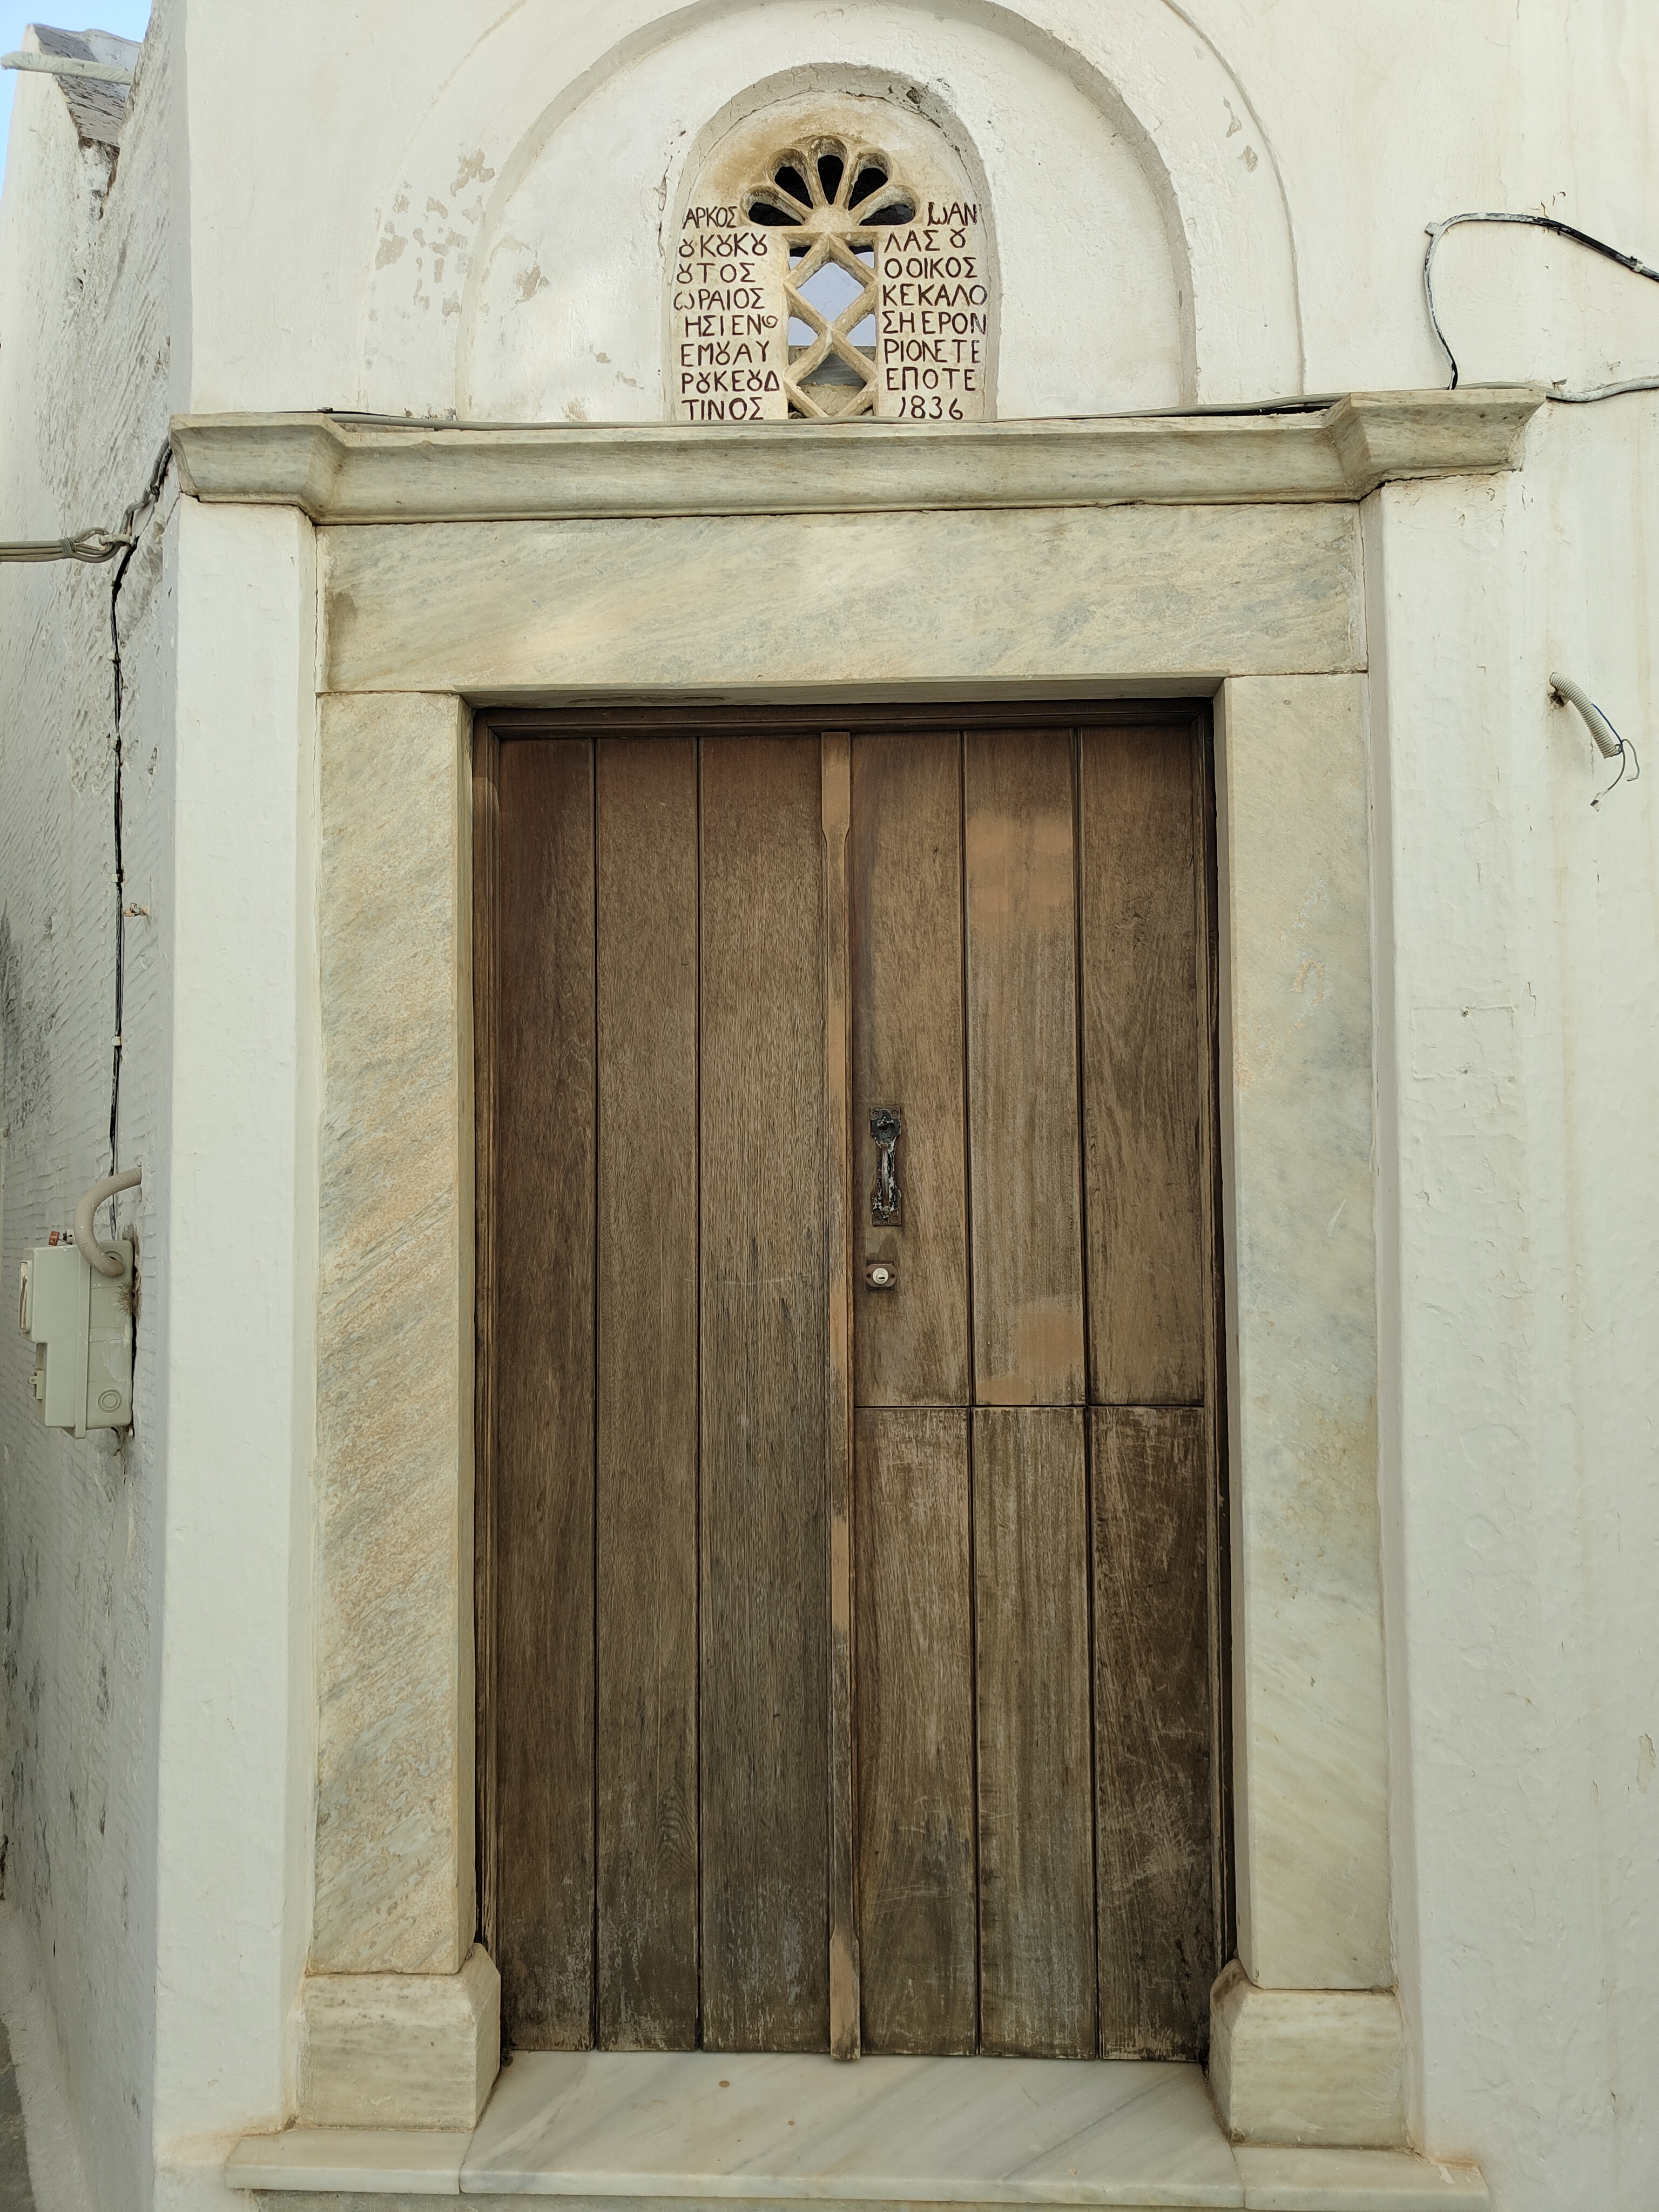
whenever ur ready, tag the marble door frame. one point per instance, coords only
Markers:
(1258, 603)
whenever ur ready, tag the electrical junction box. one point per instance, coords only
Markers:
(82, 1324)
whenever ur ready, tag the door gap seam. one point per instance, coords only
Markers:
(972, 1374)
(1079, 988)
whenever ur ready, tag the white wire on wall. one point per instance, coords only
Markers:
(1437, 231)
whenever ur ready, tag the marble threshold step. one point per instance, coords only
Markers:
(703, 2132)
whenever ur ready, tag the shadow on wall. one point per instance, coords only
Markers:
(40, 2170)
(15, 2195)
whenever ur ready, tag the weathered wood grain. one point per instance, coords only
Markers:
(765, 1721)
(1144, 1091)
(1154, 1729)
(1037, 1897)
(544, 1489)
(836, 803)
(1023, 1068)
(912, 1344)
(869, 1685)
(647, 1497)
(916, 1719)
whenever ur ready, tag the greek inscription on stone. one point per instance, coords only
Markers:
(935, 310)
(831, 267)
(728, 347)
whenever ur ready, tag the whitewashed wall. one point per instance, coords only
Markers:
(1519, 1220)
(84, 346)
(1295, 153)
(1221, 201)
(156, 1656)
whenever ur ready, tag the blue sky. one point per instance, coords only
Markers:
(126, 18)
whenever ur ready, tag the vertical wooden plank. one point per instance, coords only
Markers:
(647, 1502)
(912, 1344)
(836, 804)
(765, 1719)
(486, 756)
(1154, 1729)
(915, 1721)
(1218, 1529)
(1144, 1103)
(1022, 1060)
(544, 1501)
(1037, 1900)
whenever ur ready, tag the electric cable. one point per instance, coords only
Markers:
(132, 525)
(1437, 231)
(94, 545)
(1626, 760)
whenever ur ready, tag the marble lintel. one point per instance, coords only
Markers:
(342, 470)
(718, 604)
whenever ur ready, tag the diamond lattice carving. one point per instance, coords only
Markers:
(836, 195)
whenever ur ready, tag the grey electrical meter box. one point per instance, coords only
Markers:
(82, 1325)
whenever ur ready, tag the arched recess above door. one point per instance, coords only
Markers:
(832, 261)
(521, 256)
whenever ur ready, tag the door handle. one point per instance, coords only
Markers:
(886, 1199)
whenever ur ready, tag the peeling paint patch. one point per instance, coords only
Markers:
(528, 283)
(391, 249)
(471, 171)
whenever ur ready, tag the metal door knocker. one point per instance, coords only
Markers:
(886, 1199)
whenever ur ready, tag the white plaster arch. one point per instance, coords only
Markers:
(1156, 84)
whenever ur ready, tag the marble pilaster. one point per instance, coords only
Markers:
(394, 1908)
(1310, 1719)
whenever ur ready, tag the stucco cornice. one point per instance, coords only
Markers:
(341, 469)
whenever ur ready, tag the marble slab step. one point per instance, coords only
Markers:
(1355, 2181)
(883, 2130)
(703, 2132)
(344, 2164)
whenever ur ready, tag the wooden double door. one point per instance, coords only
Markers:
(848, 1513)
